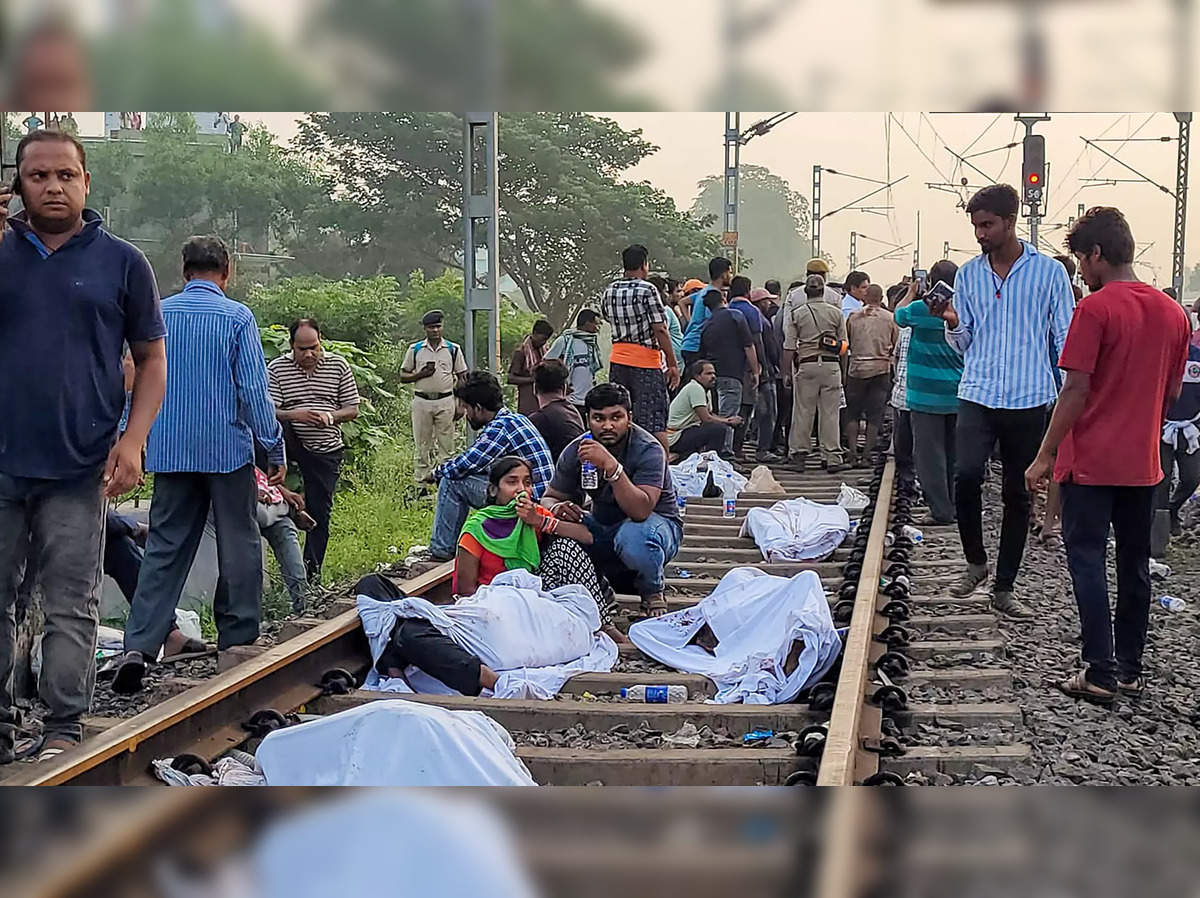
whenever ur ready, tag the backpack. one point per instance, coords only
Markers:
(420, 344)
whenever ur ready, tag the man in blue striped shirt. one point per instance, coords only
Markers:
(201, 450)
(1009, 318)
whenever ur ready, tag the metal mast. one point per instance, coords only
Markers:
(481, 214)
(1181, 186)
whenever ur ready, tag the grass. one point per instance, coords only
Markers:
(380, 512)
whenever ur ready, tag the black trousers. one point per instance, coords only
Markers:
(745, 410)
(1188, 464)
(1087, 512)
(417, 642)
(701, 438)
(902, 447)
(1018, 432)
(783, 418)
(320, 472)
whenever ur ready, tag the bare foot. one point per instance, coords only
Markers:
(616, 635)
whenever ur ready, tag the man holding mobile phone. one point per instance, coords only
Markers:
(1008, 320)
(71, 294)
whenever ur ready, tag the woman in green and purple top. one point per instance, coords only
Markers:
(934, 370)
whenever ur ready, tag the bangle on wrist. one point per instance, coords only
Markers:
(616, 474)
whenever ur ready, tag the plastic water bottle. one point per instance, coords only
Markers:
(1171, 603)
(589, 477)
(681, 503)
(730, 499)
(911, 532)
(655, 695)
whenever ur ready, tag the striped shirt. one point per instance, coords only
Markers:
(1011, 331)
(900, 387)
(329, 387)
(217, 401)
(506, 434)
(934, 367)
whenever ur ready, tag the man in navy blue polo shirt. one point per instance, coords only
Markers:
(70, 295)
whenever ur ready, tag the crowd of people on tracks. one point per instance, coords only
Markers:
(1002, 358)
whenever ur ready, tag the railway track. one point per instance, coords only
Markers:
(906, 642)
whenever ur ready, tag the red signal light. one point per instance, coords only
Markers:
(1034, 177)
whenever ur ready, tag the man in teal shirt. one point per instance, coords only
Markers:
(934, 370)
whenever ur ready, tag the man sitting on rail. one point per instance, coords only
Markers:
(634, 519)
(462, 481)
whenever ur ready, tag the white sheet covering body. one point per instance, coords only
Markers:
(796, 529)
(691, 474)
(393, 743)
(534, 640)
(756, 617)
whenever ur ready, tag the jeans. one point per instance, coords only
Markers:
(285, 544)
(1019, 434)
(642, 548)
(934, 447)
(178, 513)
(729, 402)
(320, 471)
(765, 409)
(65, 520)
(902, 447)
(708, 437)
(122, 556)
(455, 500)
(1087, 512)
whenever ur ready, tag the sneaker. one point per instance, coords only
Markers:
(767, 458)
(1079, 686)
(1133, 688)
(127, 677)
(967, 583)
(1005, 603)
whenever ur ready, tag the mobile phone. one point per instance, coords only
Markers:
(921, 276)
(939, 297)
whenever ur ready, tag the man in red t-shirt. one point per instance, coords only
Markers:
(1124, 357)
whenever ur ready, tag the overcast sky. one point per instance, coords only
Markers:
(855, 143)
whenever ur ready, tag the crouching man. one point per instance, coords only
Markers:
(634, 518)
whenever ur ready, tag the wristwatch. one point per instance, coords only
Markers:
(616, 474)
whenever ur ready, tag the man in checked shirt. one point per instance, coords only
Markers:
(462, 481)
(641, 341)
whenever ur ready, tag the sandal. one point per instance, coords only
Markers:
(654, 606)
(45, 748)
(1079, 686)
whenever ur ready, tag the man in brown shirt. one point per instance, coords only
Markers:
(814, 334)
(873, 334)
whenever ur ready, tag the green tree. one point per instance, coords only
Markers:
(565, 212)
(176, 185)
(773, 220)
(550, 54)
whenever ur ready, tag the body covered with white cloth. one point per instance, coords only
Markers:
(534, 640)
(773, 636)
(797, 529)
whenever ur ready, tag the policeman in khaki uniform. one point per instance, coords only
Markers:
(814, 339)
(433, 366)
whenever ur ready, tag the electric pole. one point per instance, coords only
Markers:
(481, 215)
(733, 154)
(1033, 171)
(853, 250)
(816, 213)
(1181, 186)
(946, 250)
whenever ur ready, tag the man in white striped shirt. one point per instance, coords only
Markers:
(1009, 318)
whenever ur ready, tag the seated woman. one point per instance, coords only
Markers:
(512, 532)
